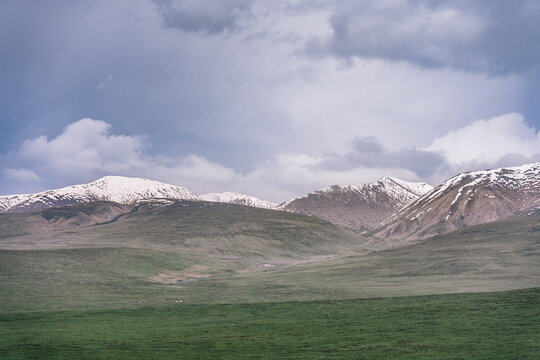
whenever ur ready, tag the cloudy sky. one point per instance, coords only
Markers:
(270, 98)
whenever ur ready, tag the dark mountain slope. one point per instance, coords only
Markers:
(358, 207)
(468, 199)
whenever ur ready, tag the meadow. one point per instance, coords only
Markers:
(198, 281)
(501, 325)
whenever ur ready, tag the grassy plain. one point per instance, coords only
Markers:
(199, 280)
(502, 325)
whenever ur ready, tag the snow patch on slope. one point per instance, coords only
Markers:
(512, 177)
(524, 179)
(238, 198)
(418, 188)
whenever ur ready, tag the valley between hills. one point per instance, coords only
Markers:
(121, 248)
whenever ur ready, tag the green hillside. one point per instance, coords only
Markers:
(196, 226)
(214, 253)
(146, 255)
(498, 256)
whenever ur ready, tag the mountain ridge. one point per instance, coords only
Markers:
(468, 198)
(388, 208)
(129, 190)
(119, 189)
(238, 198)
(358, 207)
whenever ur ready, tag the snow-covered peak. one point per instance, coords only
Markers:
(418, 188)
(123, 190)
(468, 198)
(392, 185)
(359, 207)
(238, 198)
(400, 190)
(516, 177)
(126, 190)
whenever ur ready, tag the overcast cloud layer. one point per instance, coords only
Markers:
(495, 37)
(274, 99)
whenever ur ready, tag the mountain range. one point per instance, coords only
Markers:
(125, 242)
(389, 208)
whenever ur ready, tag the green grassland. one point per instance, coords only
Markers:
(498, 256)
(197, 280)
(145, 256)
(502, 325)
(95, 278)
(238, 257)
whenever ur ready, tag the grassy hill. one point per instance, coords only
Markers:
(490, 257)
(186, 225)
(214, 253)
(132, 259)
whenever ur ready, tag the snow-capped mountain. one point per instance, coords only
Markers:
(467, 199)
(123, 190)
(238, 198)
(358, 207)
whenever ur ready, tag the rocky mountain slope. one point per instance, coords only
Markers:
(467, 199)
(358, 207)
(238, 198)
(118, 189)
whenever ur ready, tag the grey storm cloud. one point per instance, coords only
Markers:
(206, 17)
(369, 152)
(494, 37)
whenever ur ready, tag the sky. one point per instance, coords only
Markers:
(271, 98)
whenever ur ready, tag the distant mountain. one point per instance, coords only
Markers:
(118, 189)
(358, 207)
(467, 199)
(238, 198)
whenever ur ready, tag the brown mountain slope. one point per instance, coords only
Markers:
(361, 207)
(468, 199)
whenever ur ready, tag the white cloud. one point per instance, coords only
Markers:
(197, 173)
(24, 175)
(488, 141)
(374, 98)
(85, 150)
(290, 175)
